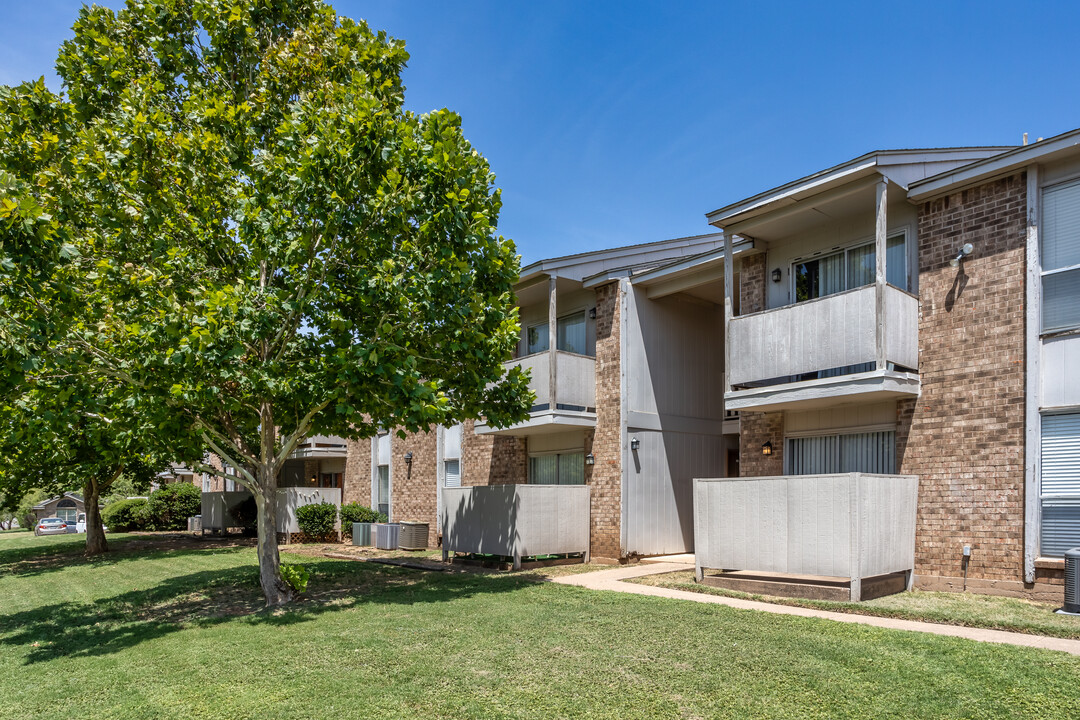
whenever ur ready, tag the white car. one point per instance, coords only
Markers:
(51, 526)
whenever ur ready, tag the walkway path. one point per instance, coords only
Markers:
(613, 580)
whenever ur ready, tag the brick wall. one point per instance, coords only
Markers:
(605, 477)
(492, 459)
(964, 436)
(755, 429)
(414, 492)
(752, 284)
(357, 479)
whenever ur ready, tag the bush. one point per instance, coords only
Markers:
(354, 512)
(125, 515)
(296, 575)
(317, 520)
(170, 507)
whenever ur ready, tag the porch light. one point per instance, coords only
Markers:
(766, 449)
(777, 275)
(408, 458)
(592, 313)
(314, 480)
(634, 443)
(590, 460)
(408, 465)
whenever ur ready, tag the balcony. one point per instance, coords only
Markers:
(574, 386)
(840, 346)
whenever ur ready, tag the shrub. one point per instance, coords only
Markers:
(296, 575)
(125, 515)
(354, 512)
(171, 506)
(316, 520)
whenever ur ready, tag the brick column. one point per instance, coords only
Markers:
(755, 430)
(605, 479)
(752, 284)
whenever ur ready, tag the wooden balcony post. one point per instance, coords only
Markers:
(880, 232)
(553, 329)
(729, 308)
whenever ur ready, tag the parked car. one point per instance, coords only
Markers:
(51, 526)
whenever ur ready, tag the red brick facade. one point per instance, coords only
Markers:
(755, 429)
(752, 284)
(413, 491)
(605, 477)
(964, 435)
(492, 459)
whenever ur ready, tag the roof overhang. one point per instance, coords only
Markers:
(976, 173)
(690, 272)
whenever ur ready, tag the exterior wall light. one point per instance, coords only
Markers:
(766, 449)
(964, 252)
(634, 443)
(408, 464)
(590, 460)
(592, 313)
(777, 275)
(314, 480)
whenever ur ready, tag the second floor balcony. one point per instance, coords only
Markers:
(846, 344)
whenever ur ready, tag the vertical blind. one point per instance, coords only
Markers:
(873, 452)
(1060, 255)
(561, 469)
(384, 489)
(452, 473)
(1060, 476)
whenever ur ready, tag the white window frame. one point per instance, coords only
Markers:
(1043, 272)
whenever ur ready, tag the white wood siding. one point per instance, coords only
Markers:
(853, 525)
(829, 332)
(516, 520)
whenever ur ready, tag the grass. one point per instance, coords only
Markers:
(159, 630)
(968, 609)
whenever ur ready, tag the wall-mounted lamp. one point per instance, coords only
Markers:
(408, 464)
(766, 449)
(314, 480)
(634, 443)
(592, 313)
(777, 275)
(590, 460)
(964, 252)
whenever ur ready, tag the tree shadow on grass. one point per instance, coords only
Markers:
(41, 559)
(212, 597)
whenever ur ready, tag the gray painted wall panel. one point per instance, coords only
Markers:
(830, 332)
(516, 520)
(852, 525)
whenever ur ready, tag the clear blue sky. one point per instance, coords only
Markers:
(611, 123)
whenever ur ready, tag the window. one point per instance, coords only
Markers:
(558, 469)
(569, 335)
(452, 473)
(872, 452)
(1060, 256)
(849, 269)
(66, 510)
(330, 480)
(384, 489)
(1060, 484)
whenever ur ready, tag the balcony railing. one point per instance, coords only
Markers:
(826, 334)
(575, 379)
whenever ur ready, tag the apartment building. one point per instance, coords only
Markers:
(909, 313)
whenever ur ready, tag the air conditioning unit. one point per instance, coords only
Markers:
(1072, 581)
(414, 536)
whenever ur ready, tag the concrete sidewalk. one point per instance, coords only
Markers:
(613, 580)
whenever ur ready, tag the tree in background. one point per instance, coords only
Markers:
(263, 242)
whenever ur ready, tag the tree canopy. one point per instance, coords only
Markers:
(262, 242)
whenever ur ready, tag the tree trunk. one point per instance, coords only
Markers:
(95, 532)
(275, 589)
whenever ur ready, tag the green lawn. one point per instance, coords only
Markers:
(153, 632)
(983, 611)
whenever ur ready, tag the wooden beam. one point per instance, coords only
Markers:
(553, 329)
(1032, 370)
(729, 306)
(880, 233)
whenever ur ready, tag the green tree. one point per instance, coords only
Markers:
(266, 243)
(64, 433)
